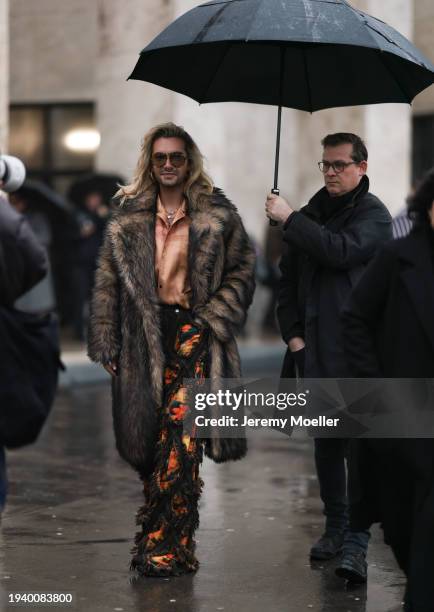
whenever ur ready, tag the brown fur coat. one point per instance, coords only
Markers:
(124, 321)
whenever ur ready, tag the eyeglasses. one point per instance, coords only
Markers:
(338, 166)
(176, 159)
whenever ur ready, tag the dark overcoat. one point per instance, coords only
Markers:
(388, 330)
(23, 261)
(125, 321)
(320, 265)
(388, 322)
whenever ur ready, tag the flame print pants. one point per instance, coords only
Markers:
(165, 545)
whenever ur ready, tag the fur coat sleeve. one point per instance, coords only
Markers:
(104, 340)
(226, 310)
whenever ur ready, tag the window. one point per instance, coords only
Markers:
(423, 145)
(57, 142)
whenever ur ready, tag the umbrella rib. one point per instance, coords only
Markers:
(204, 31)
(372, 27)
(210, 82)
(361, 16)
(306, 72)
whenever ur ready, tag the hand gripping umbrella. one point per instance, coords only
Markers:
(302, 54)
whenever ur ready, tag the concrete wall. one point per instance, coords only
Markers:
(127, 109)
(4, 71)
(53, 49)
(388, 126)
(424, 39)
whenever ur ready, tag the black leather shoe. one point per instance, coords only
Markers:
(353, 567)
(327, 547)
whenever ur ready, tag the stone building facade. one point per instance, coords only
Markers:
(4, 71)
(82, 52)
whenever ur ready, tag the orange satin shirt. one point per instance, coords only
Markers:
(171, 256)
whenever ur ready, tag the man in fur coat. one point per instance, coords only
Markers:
(173, 285)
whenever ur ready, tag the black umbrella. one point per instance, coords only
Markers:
(303, 54)
(99, 182)
(42, 198)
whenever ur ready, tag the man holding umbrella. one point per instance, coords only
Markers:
(327, 246)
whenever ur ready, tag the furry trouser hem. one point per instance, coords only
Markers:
(179, 563)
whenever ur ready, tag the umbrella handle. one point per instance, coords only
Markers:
(276, 191)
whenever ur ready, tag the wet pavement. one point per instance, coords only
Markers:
(70, 522)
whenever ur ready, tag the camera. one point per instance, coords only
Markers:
(12, 173)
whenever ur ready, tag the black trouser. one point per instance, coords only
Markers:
(171, 317)
(330, 457)
(330, 454)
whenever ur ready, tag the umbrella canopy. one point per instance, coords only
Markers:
(42, 198)
(105, 184)
(61, 215)
(303, 54)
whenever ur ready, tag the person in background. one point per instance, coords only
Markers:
(388, 331)
(401, 225)
(23, 264)
(271, 280)
(41, 297)
(92, 218)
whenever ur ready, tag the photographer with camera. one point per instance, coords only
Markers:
(23, 263)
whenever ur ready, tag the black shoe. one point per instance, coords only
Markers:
(327, 547)
(353, 567)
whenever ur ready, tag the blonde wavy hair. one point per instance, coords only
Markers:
(143, 179)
